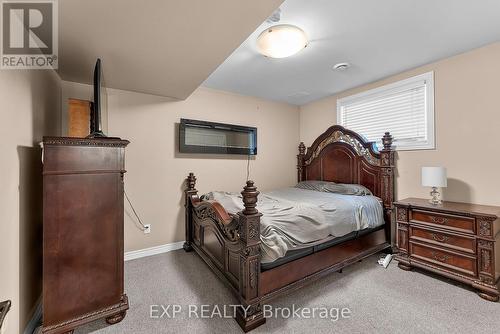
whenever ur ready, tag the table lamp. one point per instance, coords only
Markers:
(434, 177)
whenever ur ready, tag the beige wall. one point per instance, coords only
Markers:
(30, 108)
(467, 113)
(156, 171)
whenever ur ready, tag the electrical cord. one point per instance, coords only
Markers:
(248, 167)
(135, 213)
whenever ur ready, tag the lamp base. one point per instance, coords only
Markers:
(436, 199)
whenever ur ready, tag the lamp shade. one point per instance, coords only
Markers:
(434, 177)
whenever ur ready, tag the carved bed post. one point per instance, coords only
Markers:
(300, 162)
(250, 315)
(189, 193)
(387, 191)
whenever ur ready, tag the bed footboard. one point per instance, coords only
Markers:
(230, 245)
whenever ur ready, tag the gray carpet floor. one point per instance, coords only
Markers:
(380, 300)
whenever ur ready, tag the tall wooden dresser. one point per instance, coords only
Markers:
(457, 240)
(82, 232)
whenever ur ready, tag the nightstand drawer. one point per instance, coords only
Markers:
(457, 242)
(462, 264)
(451, 222)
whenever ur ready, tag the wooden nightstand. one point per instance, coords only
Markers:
(457, 240)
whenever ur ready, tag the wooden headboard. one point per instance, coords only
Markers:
(343, 156)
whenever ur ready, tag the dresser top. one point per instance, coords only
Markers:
(74, 141)
(452, 206)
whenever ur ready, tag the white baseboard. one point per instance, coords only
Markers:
(153, 250)
(36, 318)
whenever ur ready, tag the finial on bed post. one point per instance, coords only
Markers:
(300, 161)
(191, 182)
(302, 148)
(387, 141)
(250, 194)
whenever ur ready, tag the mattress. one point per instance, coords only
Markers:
(299, 253)
(294, 220)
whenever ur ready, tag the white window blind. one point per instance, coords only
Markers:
(405, 108)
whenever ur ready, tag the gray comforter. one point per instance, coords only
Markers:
(296, 218)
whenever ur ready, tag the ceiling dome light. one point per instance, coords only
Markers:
(281, 41)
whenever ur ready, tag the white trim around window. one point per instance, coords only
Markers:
(405, 108)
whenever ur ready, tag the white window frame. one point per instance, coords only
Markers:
(428, 78)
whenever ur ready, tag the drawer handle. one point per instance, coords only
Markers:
(440, 258)
(440, 237)
(439, 220)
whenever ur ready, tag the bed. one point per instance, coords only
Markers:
(232, 238)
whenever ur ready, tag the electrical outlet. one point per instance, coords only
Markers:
(147, 228)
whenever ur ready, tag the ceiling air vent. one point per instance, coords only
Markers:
(341, 66)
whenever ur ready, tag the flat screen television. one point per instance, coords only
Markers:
(97, 104)
(216, 138)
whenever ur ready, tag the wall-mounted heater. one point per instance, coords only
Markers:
(216, 138)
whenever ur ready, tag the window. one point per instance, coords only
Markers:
(405, 108)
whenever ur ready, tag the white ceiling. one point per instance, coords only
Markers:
(162, 47)
(379, 38)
